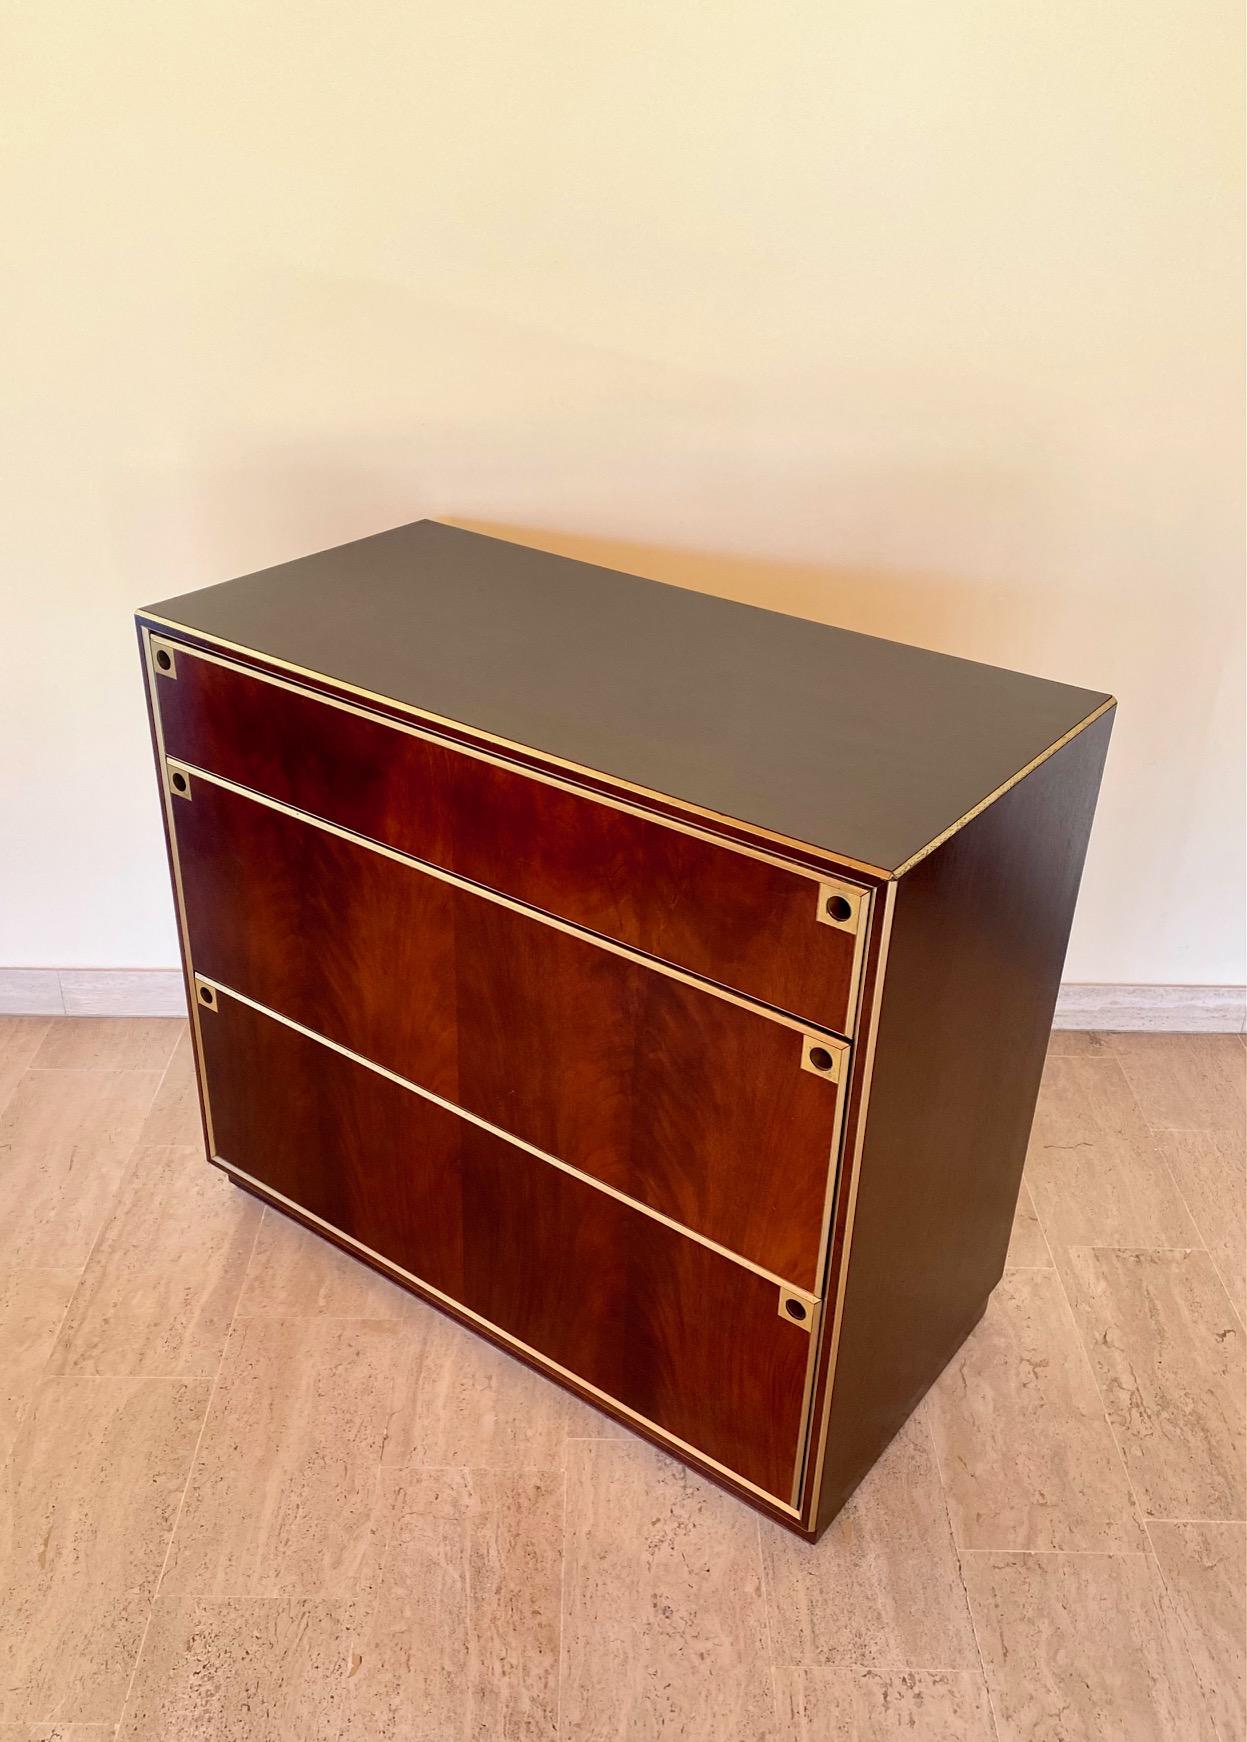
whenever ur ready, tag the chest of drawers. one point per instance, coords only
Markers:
(657, 984)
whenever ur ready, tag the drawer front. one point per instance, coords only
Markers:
(681, 1335)
(722, 913)
(699, 1107)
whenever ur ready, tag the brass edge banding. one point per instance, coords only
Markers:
(217, 987)
(645, 792)
(1006, 786)
(835, 1043)
(834, 1318)
(830, 1198)
(179, 900)
(534, 1355)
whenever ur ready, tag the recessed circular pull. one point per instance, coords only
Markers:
(796, 1309)
(820, 1058)
(180, 782)
(164, 660)
(838, 907)
(206, 995)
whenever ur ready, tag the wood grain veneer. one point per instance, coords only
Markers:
(689, 1103)
(681, 1334)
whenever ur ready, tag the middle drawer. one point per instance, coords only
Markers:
(711, 1113)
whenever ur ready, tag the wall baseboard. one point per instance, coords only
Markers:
(92, 992)
(158, 992)
(1164, 1009)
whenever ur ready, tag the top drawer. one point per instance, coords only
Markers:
(785, 936)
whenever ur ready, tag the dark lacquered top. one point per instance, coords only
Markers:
(866, 748)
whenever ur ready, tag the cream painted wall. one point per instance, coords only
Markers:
(920, 319)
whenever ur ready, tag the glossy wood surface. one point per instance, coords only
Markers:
(679, 1333)
(717, 912)
(970, 984)
(696, 1106)
(859, 746)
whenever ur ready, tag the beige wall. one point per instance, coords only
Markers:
(920, 319)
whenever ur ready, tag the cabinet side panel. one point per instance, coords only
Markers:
(978, 943)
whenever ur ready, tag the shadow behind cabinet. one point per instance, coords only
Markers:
(657, 984)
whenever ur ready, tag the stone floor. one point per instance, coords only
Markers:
(254, 1491)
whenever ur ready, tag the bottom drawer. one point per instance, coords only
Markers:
(685, 1337)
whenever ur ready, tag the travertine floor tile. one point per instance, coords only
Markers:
(293, 1273)
(109, 1043)
(872, 1705)
(1191, 1082)
(664, 1624)
(1210, 1168)
(16, 1393)
(1026, 1455)
(20, 1039)
(158, 1293)
(174, 1115)
(57, 1732)
(1027, 1246)
(240, 1670)
(32, 1305)
(459, 1401)
(1067, 1043)
(90, 1495)
(285, 1486)
(882, 1588)
(1077, 1649)
(65, 1138)
(1094, 1169)
(1168, 1354)
(1204, 1567)
(456, 1632)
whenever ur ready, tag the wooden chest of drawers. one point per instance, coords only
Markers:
(657, 984)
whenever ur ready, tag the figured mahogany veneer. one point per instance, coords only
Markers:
(694, 1105)
(502, 886)
(674, 1331)
(720, 913)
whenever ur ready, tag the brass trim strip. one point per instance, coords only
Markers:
(835, 1043)
(217, 987)
(179, 899)
(534, 1355)
(807, 1398)
(1005, 786)
(644, 792)
(835, 1318)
